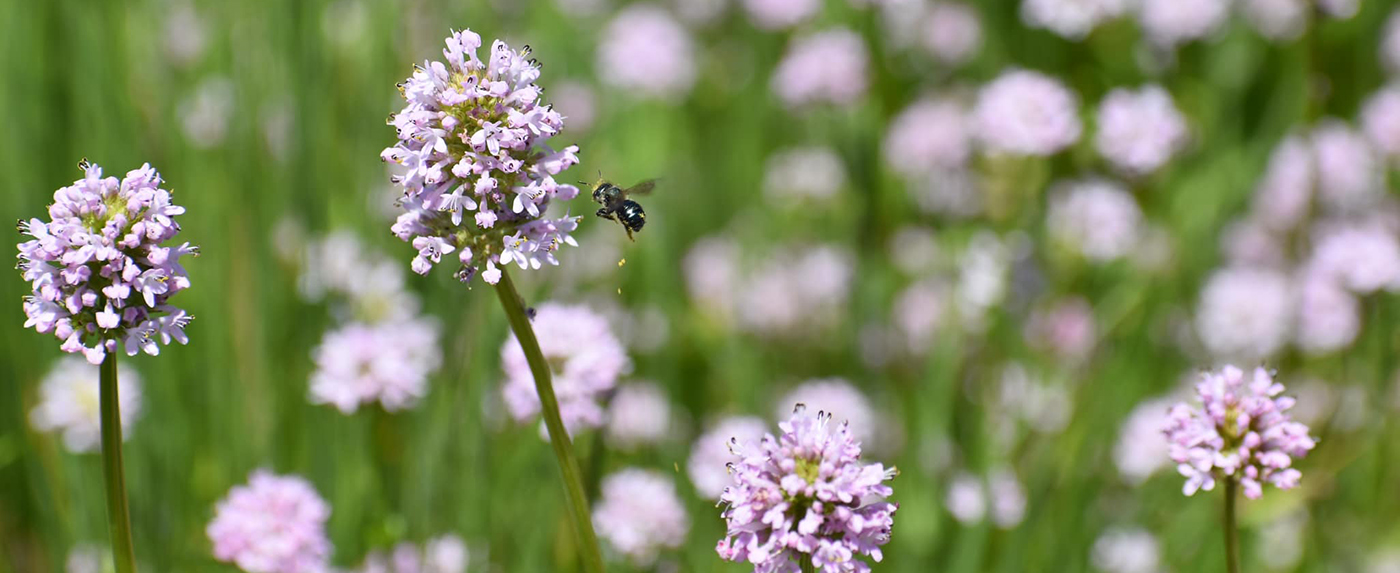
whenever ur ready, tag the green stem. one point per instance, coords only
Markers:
(1232, 533)
(806, 564)
(558, 437)
(118, 516)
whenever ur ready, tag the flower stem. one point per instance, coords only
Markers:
(558, 437)
(1232, 533)
(118, 516)
(807, 565)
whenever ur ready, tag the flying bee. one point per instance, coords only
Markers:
(618, 207)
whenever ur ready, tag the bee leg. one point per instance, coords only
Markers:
(629, 233)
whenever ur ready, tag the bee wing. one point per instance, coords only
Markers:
(643, 188)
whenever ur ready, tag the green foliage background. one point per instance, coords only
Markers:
(89, 79)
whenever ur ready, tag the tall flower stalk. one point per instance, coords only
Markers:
(558, 436)
(1232, 530)
(118, 514)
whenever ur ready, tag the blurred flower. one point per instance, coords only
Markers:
(388, 362)
(275, 524)
(929, 134)
(797, 293)
(640, 514)
(1065, 327)
(1008, 499)
(1023, 112)
(1071, 19)
(1096, 218)
(646, 53)
(204, 116)
(914, 250)
(185, 35)
(779, 14)
(639, 414)
(804, 174)
(806, 494)
(497, 163)
(444, 554)
(713, 452)
(576, 102)
(1279, 20)
(1249, 242)
(1380, 118)
(1126, 550)
(1386, 561)
(585, 359)
(713, 275)
(824, 67)
(1390, 41)
(966, 499)
(1348, 176)
(99, 275)
(1139, 130)
(277, 120)
(373, 285)
(1044, 407)
(1141, 449)
(582, 8)
(1341, 9)
(699, 12)
(88, 559)
(952, 32)
(955, 193)
(982, 279)
(840, 400)
(69, 402)
(919, 312)
(1281, 199)
(1281, 541)
(1245, 313)
(1362, 256)
(1241, 432)
(1328, 316)
(1172, 22)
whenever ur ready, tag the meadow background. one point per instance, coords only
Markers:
(266, 119)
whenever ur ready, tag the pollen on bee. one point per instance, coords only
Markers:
(619, 291)
(622, 262)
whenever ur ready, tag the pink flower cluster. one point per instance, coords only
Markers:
(806, 495)
(472, 139)
(1241, 432)
(274, 524)
(99, 273)
(585, 357)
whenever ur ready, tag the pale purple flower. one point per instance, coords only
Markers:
(699, 13)
(69, 403)
(982, 278)
(1349, 177)
(1071, 19)
(185, 35)
(204, 116)
(1126, 550)
(443, 554)
(1065, 327)
(827, 67)
(472, 139)
(927, 135)
(647, 54)
(387, 362)
(840, 399)
(780, 14)
(951, 32)
(955, 193)
(795, 293)
(1139, 130)
(640, 515)
(1329, 317)
(274, 524)
(1245, 313)
(639, 414)
(1380, 119)
(1250, 242)
(807, 494)
(1362, 256)
(87, 558)
(1095, 218)
(1340, 9)
(1008, 499)
(585, 360)
(711, 455)
(1242, 431)
(1023, 112)
(1044, 407)
(1282, 197)
(1278, 20)
(802, 174)
(101, 279)
(1141, 448)
(576, 102)
(340, 266)
(713, 274)
(1390, 42)
(966, 499)
(920, 312)
(1172, 22)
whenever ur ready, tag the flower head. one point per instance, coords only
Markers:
(780, 14)
(100, 276)
(274, 524)
(1172, 22)
(638, 414)
(711, 455)
(69, 403)
(806, 494)
(1242, 431)
(1098, 219)
(1139, 130)
(444, 554)
(1380, 119)
(647, 53)
(388, 362)
(585, 359)
(640, 514)
(1126, 550)
(1026, 113)
(952, 32)
(825, 67)
(1245, 313)
(929, 134)
(1071, 19)
(472, 140)
(804, 174)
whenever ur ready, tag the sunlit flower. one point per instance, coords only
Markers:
(274, 524)
(69, 403)
(1242, 431)
(640, 515)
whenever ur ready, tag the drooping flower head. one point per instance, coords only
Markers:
(69, 403)
(101, 278)
(805, 494)
(1242, 431)
(274, 524)
(585, 360)
(472, 141)
(640, 514)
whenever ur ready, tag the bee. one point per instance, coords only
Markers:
(618, 207)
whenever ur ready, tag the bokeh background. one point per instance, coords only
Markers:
(1008, 342)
